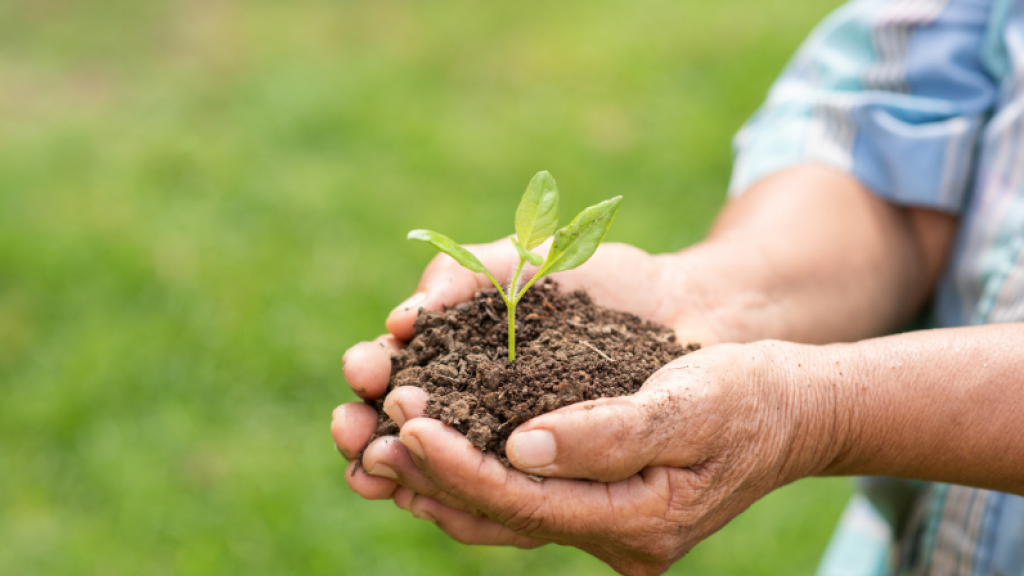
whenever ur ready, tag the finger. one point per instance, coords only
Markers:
(352, 426)
(446, 283)
(367, 486)
(608, 439)
(566, 511)
(405, 403)
(367, 368)
(601, 440)
(467, 528)
(403, 498)
(388, 458)
(555, 508)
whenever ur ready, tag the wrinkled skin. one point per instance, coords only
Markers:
(636, 481)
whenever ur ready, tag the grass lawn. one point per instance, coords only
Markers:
(204, 203)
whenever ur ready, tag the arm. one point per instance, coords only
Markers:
(942, 405)
(810, 255)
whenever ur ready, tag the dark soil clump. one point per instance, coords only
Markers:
(568, 350)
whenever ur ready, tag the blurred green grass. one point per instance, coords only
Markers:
(203, 204)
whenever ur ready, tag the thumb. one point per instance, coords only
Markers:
(604, 440)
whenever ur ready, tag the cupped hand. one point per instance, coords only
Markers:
(617, 276)
(636, 481)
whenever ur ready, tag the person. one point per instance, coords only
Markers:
(883, 176)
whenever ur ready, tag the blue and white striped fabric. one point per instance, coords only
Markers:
(923, 102)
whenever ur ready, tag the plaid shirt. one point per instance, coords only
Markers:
(923, 102)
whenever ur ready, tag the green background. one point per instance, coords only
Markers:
(204, 203)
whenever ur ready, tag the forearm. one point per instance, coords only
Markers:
(810, 255)
(942, 405)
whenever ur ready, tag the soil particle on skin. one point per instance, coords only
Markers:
(568, 350)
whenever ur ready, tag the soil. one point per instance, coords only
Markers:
(568, 350)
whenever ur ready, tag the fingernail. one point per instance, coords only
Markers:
(413, 445)
(343, 453)
(385, 471)
(413, 301)
(424, 515)
(534, 449)
(394, 411)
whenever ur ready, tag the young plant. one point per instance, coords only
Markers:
(536, 221)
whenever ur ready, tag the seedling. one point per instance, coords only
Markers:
(536, 221)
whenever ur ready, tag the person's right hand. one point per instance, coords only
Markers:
(618, 276)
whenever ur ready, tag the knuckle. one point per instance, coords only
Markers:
(612, 454)
(525, 518)
(449, 489)
(447, 499)
(613, 464)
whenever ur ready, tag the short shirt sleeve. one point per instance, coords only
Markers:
(892, 92)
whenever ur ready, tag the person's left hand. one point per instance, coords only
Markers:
(636, 481)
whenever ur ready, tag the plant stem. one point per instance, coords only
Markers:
(540, 274)
(511, 334)
(514, 284)
(510, 303)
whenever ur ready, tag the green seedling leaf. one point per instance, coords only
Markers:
(576, 243)
(525, 254)
(449, 247)
(537, 215)
(536, 220)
